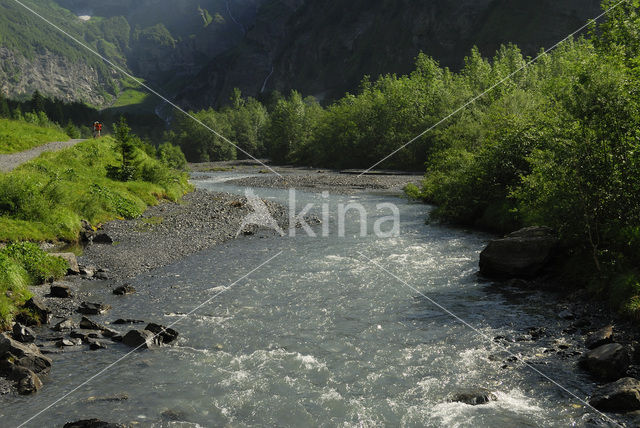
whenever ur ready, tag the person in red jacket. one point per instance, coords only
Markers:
(97, 129)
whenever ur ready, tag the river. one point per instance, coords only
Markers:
(321, 335)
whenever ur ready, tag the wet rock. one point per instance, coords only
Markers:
(103, 276)
(600, 337)
(23, 334)
(66, 324)
(117, 338)
(74, 341)
(173, 415)
(94, 344)
(92, 423)
(71, 259)
(124, 289)
(127, 321)
(520, 254)
(537, 332)
(143, 339)
(60, 290)
(164, 334)
(607, 362)
(37, 312)
(85, 335)
(87, 308)
(88, 324)
(102, 238)
(109, 333)
(87, 271)
(620, 396)
(29, 383)
(14, 353)
(475, 397)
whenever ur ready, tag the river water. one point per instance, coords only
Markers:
(319, 336)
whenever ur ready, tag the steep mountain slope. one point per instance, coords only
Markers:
(324, 47)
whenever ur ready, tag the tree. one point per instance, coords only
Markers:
(37, 102)
(127, 144)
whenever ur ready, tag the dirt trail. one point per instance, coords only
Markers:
(10, 162)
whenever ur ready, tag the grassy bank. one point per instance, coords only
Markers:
(46, 199)
(16, 136)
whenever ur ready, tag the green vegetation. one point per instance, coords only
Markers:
(23, 264)
(16, 136)
(557, 143)
(45, 199)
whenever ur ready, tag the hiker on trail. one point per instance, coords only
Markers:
(97, 129)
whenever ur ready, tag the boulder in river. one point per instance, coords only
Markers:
(143, 339)
(600, 337)
(127, 321)
(22, 355)
(474, 397)
(87, 324)
(23, 334)
(28, 383)
(59, 290)
(124, 289)
(71, 259)
(164, 334)
(87, 308)
(620, 396)
(607, 362)
(523, 253)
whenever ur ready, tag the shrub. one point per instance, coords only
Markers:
(40, 266)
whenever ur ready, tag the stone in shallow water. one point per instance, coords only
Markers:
(607, 362)
(92, 423)
(66, 324)
(87, 308)
(164, 334)
(23, 334)
(123, 290)
(142, 339)
(474, 397)
(60, 290)
(600, 337)
(620, 396)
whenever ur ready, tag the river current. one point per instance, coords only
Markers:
(334, 331)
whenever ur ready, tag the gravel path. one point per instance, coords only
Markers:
(10, 162)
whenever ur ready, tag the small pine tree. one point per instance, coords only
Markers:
(37, 102)
(127, 144)
(71, 130)
(16, 114)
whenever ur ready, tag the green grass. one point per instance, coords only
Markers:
(16, 136)
(45, 199)
(23, 264)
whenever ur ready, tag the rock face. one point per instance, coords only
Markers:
(475, 397)
(520, 254)
(600, 337)
(70, 258)
(620, 396)
(607, 362)
(139, 338)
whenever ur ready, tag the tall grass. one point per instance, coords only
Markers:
(16, 136)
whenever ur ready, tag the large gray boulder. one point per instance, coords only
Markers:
(607, 362)
(523, 253)
(620, 396)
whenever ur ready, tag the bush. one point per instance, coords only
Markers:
(172, 156)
